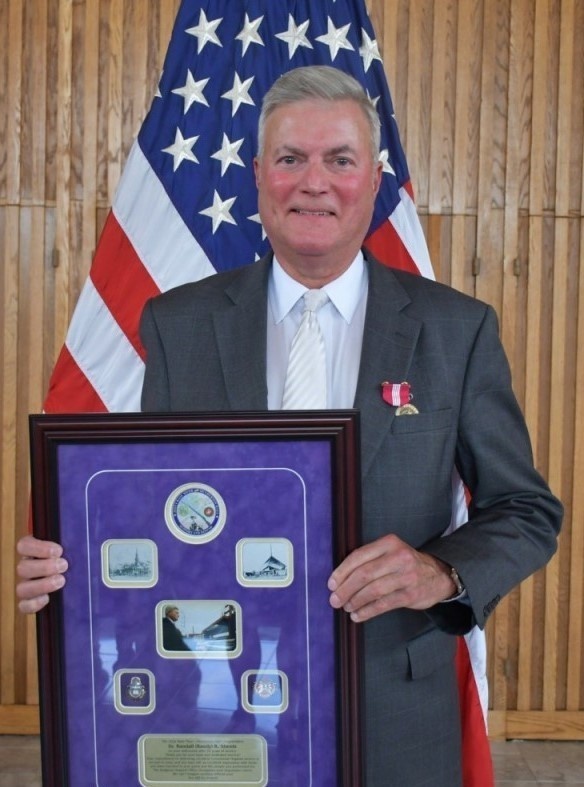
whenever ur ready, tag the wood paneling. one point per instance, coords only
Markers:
(489, 97)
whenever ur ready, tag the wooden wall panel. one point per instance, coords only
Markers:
(489, 98)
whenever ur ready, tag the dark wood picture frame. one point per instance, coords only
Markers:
(98, 479)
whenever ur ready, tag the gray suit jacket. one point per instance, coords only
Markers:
(206, 350)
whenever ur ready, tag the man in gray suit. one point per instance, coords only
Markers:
(223, 344)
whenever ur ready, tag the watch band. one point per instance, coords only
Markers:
(457, 581)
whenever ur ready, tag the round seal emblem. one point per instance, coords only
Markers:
(195, 513)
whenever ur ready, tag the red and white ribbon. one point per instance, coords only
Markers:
(396, 394)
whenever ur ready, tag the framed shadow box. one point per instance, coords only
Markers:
(193, 642)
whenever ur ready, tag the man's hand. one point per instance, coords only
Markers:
(41, 569)
(388, 574)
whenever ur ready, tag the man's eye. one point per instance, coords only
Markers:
(342, 162)
(288, 160)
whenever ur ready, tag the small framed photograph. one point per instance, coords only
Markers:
(129, 563)
(265, 562)
(199, 629)
(193, 642)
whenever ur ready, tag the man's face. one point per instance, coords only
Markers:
(173, 614)
(317, 183)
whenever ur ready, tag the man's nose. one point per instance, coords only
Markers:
(315, 180)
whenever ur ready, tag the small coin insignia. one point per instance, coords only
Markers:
(136, 689)
(407, 409)
(265, 688)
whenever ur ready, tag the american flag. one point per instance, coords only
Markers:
(186, 205)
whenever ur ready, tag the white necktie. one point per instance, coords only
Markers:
(305, 387)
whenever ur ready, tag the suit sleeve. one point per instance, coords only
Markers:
(155, 389)
(514, 519)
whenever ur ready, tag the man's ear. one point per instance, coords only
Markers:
(377, 177)
(256, 170)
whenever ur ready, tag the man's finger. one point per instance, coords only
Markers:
(27, 568)
(28, 591)
(32, 605)
(29, 546)
(384, 546)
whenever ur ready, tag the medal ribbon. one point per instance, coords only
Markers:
(396, 394)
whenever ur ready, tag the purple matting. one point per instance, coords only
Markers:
(279, 489)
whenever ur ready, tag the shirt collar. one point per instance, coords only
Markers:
(345, 292)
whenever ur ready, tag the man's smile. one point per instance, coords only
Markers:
(304, 212)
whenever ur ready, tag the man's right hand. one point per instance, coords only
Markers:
(40, 568)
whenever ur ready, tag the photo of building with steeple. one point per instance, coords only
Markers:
(128, 562)
(265, 561)
(271, 568)
(136, 568)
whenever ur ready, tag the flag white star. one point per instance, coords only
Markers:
(369, 50)
(257, 219)
(336, 38)
(249, 33)
(204, 32)
(192, 92)
(228, 154)
(219, 211)
(384, 158)
(239, 93)
(295, 36)
(181, 150)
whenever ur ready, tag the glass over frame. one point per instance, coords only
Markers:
(193, 643)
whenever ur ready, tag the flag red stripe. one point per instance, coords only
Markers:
(69, 389)
(477, 765)
(386, 245)
(409, 188)
(122, 280)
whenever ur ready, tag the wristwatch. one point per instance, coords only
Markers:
(457, 581)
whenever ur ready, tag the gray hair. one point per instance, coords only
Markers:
(322, 83)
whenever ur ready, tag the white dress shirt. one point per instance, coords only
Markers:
(341, 321)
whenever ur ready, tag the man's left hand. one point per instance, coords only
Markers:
(387, 574)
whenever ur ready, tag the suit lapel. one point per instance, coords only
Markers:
(241, 338)
(389, 341)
